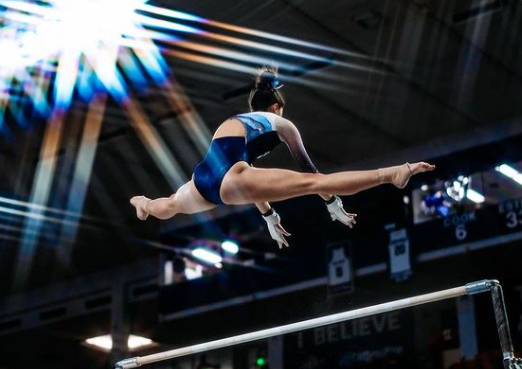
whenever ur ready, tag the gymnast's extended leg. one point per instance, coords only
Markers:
(244, 184)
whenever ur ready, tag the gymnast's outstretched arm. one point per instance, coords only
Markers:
(289, 134)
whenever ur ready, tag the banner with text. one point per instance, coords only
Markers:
(362, 343)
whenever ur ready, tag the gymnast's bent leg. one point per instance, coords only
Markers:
(244, 184)
(187, 200)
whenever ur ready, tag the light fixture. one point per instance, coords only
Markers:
(261, 361)
(206, 256)
(105, 342)
(102, 342)
(168, 272)
(456, 190)
(230, 246)
(60, 36)
(193, 272)
(510, 172)
(475, 196)
(136, 342)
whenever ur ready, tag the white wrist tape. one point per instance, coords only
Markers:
(336, 205)
(272, 219)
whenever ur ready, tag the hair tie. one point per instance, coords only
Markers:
(269, 81)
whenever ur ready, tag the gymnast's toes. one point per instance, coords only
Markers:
(421, 167)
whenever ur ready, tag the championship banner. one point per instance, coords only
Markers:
(339, 268)
(399, 249)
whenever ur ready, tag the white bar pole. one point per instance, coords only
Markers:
(470, 288)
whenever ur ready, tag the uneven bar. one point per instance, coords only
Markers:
(468, 289)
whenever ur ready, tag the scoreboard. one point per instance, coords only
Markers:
(490, 222)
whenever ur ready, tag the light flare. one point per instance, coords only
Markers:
(207, 255)
(475, 196)
(244, 30)
(510, 172)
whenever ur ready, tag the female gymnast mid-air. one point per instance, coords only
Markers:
(226, 176)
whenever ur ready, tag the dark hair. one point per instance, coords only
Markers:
(266, 91)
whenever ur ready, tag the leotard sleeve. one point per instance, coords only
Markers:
(289, 134)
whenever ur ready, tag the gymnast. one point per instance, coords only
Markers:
(226, 175)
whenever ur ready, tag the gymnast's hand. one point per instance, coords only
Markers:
(337, 212)
(277, 232)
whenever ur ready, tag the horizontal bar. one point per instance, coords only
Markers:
(475, 287)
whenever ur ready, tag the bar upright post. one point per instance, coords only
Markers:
(501, 318)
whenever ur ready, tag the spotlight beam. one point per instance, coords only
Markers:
(155, 145)
(82, 172)
(247, 31)
(39, 195)
(37, 216)
(157, 23)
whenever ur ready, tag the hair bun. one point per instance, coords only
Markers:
(268, 80)
(266, 92)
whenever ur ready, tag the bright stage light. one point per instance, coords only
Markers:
(475, 196)
(510, 172)
(82, 47)
(79, 39)
(135, 342)
(105, 342)
(207, 256)
(19, 53)
(230, 246)
(81, 24)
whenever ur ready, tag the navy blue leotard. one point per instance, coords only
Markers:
(224, 152)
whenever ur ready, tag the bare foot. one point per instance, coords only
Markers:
(400, 175)
(139, 203)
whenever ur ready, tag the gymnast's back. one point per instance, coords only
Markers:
(259, 129)
(250, 125)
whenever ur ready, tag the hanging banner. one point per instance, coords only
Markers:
(368, 342)
(339, 268)
(399, 249)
